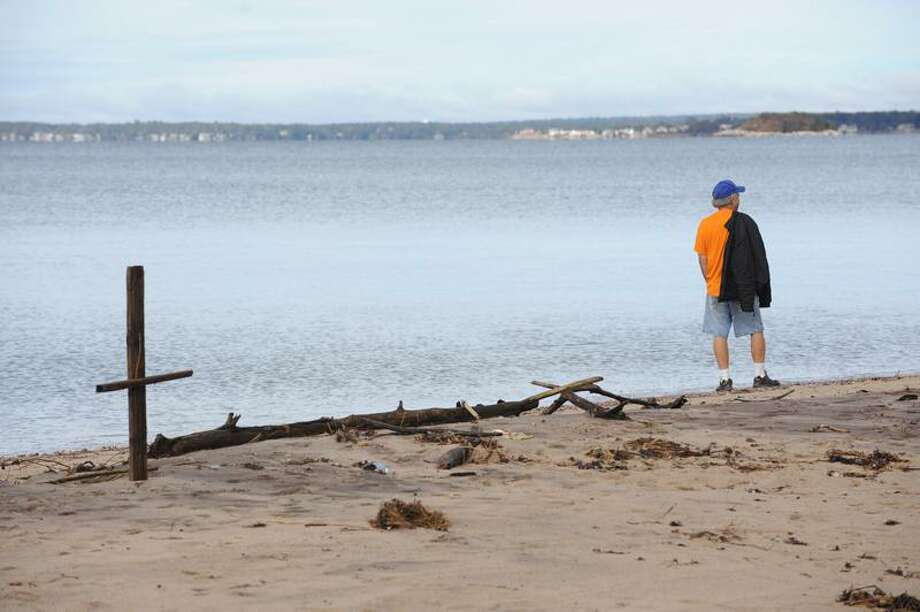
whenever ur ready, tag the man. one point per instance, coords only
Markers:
(733, 261)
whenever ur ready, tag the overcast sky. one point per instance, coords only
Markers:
(312, 62)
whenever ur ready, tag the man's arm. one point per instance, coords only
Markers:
(704, 264)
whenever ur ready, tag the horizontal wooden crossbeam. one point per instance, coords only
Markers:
(141, 382)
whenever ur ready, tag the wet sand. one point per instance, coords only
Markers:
(760, 521)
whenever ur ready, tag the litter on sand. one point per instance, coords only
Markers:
(373, 466)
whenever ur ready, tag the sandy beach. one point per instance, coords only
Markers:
(570, 512)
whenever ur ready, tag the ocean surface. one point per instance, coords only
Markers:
(310, 279)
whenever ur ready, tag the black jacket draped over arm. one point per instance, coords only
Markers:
(745, 272)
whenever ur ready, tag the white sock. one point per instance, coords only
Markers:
(759, 370)
(724, 375)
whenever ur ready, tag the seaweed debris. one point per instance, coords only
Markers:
(397, 514)
(876, 460)
(659, 448)
(603, 459)
(877, 598)
(440, 437)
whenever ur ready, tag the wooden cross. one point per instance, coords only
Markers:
(137, 381)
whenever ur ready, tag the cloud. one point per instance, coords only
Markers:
(476, 60)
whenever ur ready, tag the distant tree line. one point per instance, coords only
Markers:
(414, 130)
(884, 121)
(696, 125)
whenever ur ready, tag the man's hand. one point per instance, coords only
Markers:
(703, 265)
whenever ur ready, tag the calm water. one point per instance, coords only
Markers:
(309, 279)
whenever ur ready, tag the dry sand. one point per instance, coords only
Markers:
(768, 525)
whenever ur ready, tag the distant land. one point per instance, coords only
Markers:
(591, 128)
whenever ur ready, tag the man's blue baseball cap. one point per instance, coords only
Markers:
(725, 188)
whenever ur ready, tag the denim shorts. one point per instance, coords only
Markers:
(721, 316)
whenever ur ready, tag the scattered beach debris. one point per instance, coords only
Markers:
(373, 466)
(722, 536)
(649, 448)
(100, 475)
(307, 460)
(516, 435)
(735, 460)
(652, 403)
(346, 434)
(659, 448)
(462, 474)
(455, 457)
(795, 541)
(677, 563)
(603, 459)
(902, 572)
(475, 450)
(250, 465)
(877, 598)
(488, 451)
(892, 522)
(256, 525)
(836, 474)
(876, 460)
(439, 436)
(397, 514)
(823, 428)
(51, 465)
(607, 551)
(766, 399)
(907, 397)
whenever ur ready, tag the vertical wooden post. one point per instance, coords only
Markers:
(137, 396)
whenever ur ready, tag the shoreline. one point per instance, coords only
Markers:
(885, 380)
(575, 137)
(668, 503)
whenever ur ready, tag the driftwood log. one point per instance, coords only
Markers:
(595, 410)
(403, 421)
(410, 431)
(230, 434)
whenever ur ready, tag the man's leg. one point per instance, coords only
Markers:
(758, 348)
(717, 321)
(758, 356)
(720, 350)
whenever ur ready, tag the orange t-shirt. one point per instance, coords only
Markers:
(710, 242)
